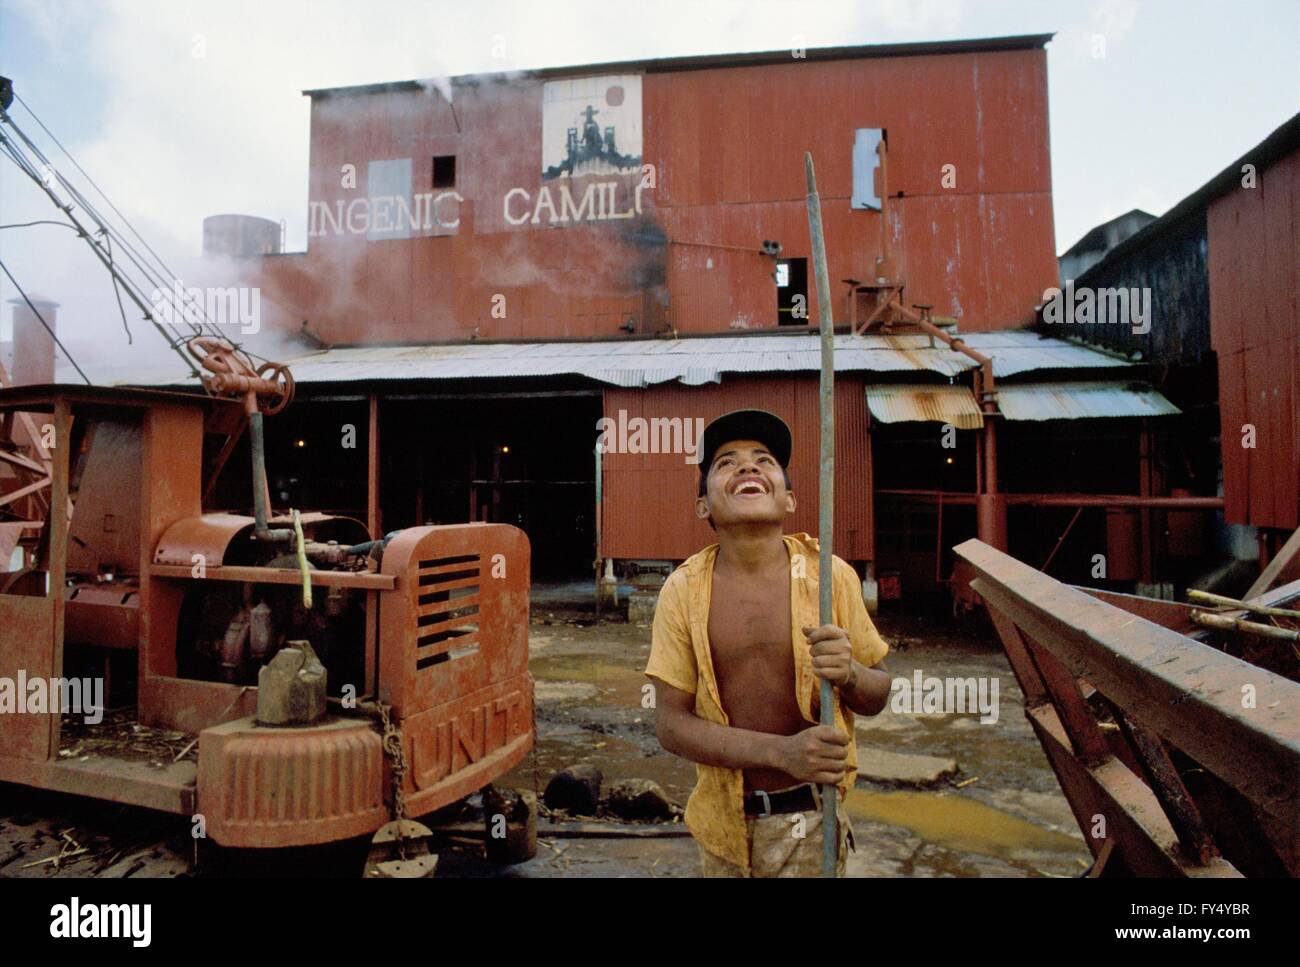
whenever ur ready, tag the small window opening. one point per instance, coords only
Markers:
(444, 171)
(792, 292)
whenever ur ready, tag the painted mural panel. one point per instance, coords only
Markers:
(591, 126)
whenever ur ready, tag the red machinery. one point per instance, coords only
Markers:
(422, 633)
(426, 629)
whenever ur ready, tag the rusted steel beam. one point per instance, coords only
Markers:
(22, 492)
(1163, 778)
(1145, 842)
(278, 575)
(20, 461)
(1061, 540)
(1077, 718)
(929, 496)
(1235, 719)
(372, 643)
(1249, 838)
(1022, 666)
(1116, 500)
(1168, 614)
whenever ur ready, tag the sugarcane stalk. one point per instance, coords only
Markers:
(1221, 622)
(303, 566)
(1205, 597)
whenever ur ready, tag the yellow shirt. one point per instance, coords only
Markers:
(680, 656)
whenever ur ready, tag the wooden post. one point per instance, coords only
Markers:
(825, 494)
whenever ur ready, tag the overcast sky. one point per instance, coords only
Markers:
(1182, 90)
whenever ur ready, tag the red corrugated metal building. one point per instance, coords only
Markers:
(649, 500)
(714, 149)
(496, 263)
(1224, 264)
(1254, 266)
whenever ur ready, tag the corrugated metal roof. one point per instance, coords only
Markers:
(913, 402)
(694, 361)
(1078, 401)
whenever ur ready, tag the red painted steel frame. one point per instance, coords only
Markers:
(1112, 695)
(452, 657)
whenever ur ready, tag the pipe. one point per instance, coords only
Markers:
(991, 508)
(990, 456)
(1115, 500)
(261, 494)
(991, 518)
(1063, 500)
(599, 450)
(988, 392)
(1061, 540)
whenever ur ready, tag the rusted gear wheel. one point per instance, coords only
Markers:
(279, 374)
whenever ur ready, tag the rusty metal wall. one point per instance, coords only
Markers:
(726, 146)
(649, 498)
(1254, 264)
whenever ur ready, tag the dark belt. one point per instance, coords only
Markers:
(800, 799)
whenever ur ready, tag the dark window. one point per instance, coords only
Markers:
(444, 171)
(792, 292)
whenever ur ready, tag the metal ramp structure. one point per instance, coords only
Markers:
(1177, 758)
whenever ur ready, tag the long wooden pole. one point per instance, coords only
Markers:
(825, 494)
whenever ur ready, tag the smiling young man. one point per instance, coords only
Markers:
(737, 660)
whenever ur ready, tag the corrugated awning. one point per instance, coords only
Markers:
(923, 402)
(1081, 401)
(919, 402)
(693, 361)
(696, 360)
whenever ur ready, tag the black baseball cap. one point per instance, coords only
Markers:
(767, 428)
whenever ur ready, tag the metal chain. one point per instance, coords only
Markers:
(393, 748)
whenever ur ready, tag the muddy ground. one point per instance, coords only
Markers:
(1001, 814)
(1011, 820)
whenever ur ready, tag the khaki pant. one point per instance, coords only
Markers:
(786, 844)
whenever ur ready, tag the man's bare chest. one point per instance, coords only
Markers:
(749, 624)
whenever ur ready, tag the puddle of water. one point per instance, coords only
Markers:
(618, 684)
(959, 823)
